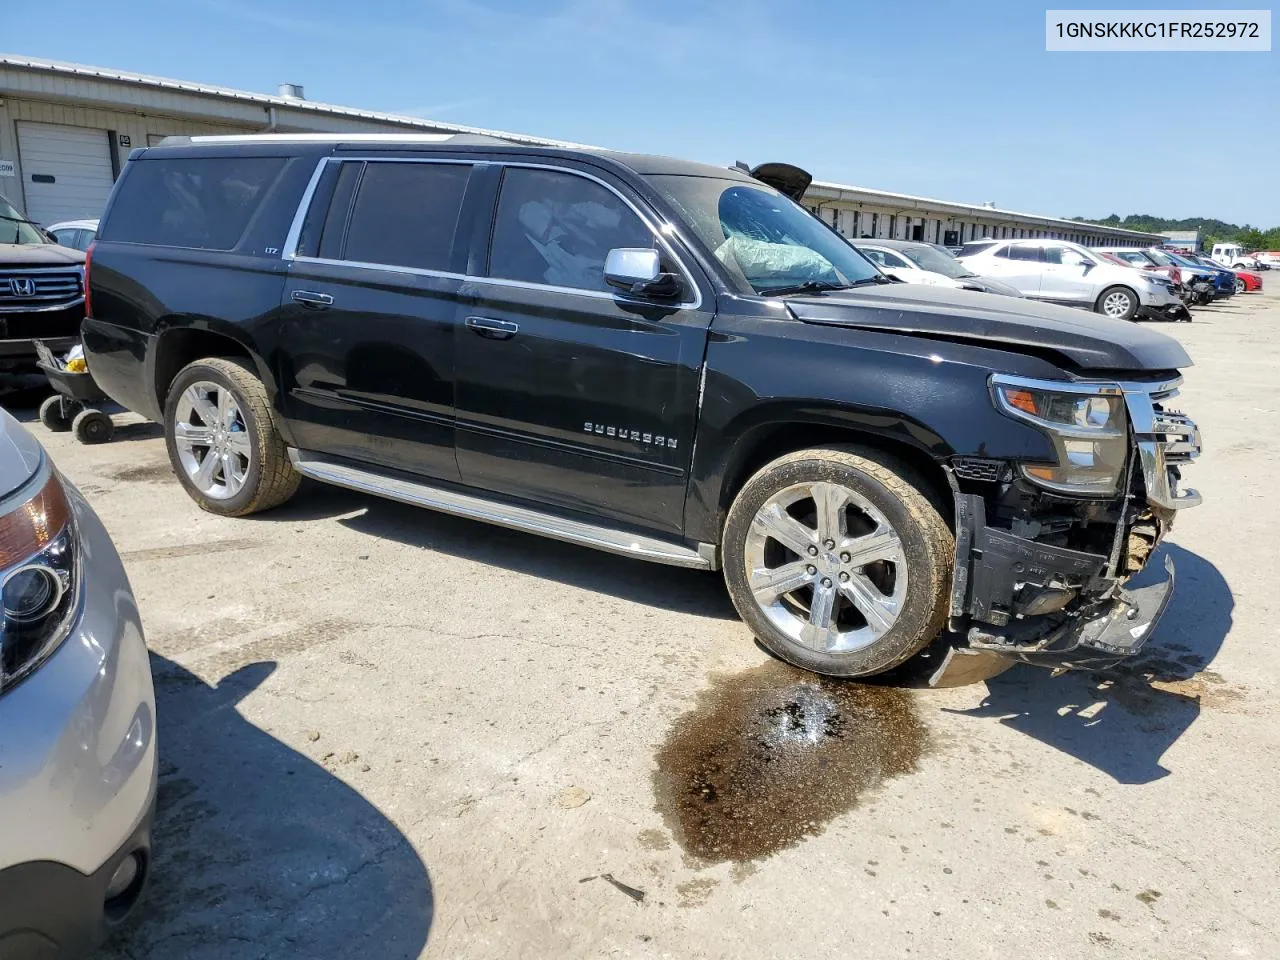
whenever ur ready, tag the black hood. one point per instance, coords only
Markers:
(1083, 339)
(38, 255)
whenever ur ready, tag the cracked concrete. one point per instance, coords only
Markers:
(480, 672)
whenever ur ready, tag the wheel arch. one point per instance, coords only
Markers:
(777, 432)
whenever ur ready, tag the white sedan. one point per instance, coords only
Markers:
(77, 234)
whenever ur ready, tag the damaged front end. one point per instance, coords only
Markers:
(1052, 559)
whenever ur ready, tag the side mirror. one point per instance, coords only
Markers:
(638, 271)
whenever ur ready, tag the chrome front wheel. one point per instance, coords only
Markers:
(212, 440)
(838, 560)
(826, 567)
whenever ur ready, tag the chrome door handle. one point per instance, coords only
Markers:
(493, 329)
(309, 299)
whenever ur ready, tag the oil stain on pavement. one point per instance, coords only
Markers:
(770, 756)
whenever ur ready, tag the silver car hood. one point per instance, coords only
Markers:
(20, 454)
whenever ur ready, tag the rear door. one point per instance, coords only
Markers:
(366, 329)
(569, 393)
(1017, 264)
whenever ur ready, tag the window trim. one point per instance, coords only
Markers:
(289, 252)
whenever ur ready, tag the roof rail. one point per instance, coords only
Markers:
(388, 138)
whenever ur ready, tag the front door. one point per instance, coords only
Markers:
(568, 393)
(368, 315)
(1067, 276)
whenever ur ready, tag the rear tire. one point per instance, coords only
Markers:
(1117, 303)
(222, 441)
(52, 416)
(837, 561)
(92, 426)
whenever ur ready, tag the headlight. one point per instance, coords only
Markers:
(39, 580)
(1086, 424)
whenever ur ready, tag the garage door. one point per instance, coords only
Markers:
(66, 171)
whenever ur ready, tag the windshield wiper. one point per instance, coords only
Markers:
(808, 286)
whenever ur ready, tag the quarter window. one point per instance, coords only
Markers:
(406, 214)
(557, 228)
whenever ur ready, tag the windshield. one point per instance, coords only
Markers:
(930, 258)
(766, 242)
(15, 228)
(1181, 261)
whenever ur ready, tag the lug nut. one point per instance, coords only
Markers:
(844, 577)
(845, 557)
(826, 581)
(829, 544)
(811, 570)
(813, 551)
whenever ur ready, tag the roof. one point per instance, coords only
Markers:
(844, 191)
(262, 99)
(1180, 234)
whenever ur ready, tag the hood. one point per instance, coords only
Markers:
(38, 255)
(1085, 340)
(19, 454)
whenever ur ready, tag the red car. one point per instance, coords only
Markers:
(1246, 280)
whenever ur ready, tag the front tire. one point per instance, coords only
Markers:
(1117, 303)
(53, 416)
(837, 561)
(1241, 286)
(222, 441)
(92, 426)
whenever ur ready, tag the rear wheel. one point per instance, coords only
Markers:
(1118, 303)
(837, 560)
(222, 441)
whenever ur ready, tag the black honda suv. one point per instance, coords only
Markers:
(666, 360)
(41, 291)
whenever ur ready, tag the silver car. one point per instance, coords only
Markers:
(77, 717)
(1070, 274)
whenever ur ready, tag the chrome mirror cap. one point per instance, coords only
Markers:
(628, 266)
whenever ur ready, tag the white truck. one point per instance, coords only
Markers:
(1232, 255)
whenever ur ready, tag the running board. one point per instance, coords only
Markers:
(421, 494)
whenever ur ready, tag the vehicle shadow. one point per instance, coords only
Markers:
(686, 591)
(261, 852)
(1123, 720)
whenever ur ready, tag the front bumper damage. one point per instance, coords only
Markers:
(1019, 600)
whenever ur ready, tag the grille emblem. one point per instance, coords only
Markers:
(22, 286)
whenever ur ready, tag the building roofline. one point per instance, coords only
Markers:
(267, 100)
(970, 209)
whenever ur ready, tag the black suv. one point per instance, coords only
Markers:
(666, 360)
(41, 291)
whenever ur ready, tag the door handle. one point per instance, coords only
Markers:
(493, 329)
(317, 301)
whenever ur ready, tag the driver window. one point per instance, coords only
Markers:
(557, 228)
(875, 256)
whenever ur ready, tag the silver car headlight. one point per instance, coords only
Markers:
(1086, 424)
(39, 580)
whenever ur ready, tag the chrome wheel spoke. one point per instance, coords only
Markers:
(879, 610)
(207, 469)
(774, 522)
(230, 477)
(199, 401)
(881, 544)
(770, 583)
(820, 632)
(238, 443)
(191, 435)
(830, 501)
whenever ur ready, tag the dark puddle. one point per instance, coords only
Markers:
(770, 756)
(147, 473)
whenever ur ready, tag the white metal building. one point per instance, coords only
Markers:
(66, 130)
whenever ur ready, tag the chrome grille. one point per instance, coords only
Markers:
(40, 288)
(1166, 439)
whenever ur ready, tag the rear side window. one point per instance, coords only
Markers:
(204, 203)
(406, 214)
(557, 228)
(1020, 251)
(976, 246)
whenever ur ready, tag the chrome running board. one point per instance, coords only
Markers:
(421, 494)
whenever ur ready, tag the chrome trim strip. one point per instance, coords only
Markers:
(290, 247)
(422, 494)
(289, 251)
(42, 306)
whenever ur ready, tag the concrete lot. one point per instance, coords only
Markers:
(387, 733)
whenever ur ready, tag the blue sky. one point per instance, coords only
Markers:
(944, 99)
